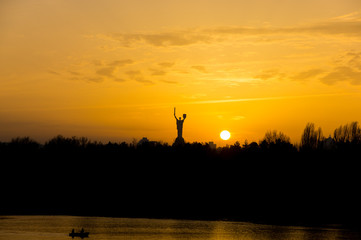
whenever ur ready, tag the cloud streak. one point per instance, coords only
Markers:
(138, 76)
(342, 73)
(109, 70)
(308, 74)
(264, 98)
(347, 68)
(179, 38)
(340, 26)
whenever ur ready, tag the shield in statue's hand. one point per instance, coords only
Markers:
(184, 115)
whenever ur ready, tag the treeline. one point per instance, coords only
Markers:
(346, 139)
(314, 182)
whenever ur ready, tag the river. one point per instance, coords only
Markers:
(104, 228)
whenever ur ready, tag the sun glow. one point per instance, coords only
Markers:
(225, 135)
(247, 66)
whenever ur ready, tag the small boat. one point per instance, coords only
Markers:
(79, 234)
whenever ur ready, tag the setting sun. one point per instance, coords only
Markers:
(225, 135)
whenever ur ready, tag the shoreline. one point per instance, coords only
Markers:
(334, 226)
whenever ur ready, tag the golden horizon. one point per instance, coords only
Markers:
(115, 70)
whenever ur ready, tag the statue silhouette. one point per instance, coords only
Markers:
(179, 139)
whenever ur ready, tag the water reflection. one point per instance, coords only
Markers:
(57, 227)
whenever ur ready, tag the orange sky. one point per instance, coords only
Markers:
(114, 70)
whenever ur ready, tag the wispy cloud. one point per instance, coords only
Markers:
(308, 74)
(94, 79)
(348, 25)
(201, 69)
(353, 16)
(166, 64)
(342, 73)
(109, 70)
(346, 68)
(157, 72)
(112, 67)
(54, 72)
(264, 98)
(138, 76)
(162, 39)
(270, 74)
(121, 63)
(106, 71)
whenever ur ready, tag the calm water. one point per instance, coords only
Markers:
(58, 227)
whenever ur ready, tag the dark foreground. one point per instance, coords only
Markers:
(185, 182)
(57, 228)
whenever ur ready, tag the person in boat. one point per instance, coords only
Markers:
(72, 231)
(82, 230)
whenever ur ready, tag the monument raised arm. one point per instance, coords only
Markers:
(179, 121)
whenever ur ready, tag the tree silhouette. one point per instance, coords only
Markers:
(24, 144)
(311, 138)
(276, 142)
(349, 133)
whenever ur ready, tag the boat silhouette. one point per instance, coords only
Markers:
(80, 234)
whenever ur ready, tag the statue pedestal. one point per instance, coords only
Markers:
(178, 141)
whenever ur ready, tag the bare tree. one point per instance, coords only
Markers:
(350, 133)
(311, 138)
(274, 137)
